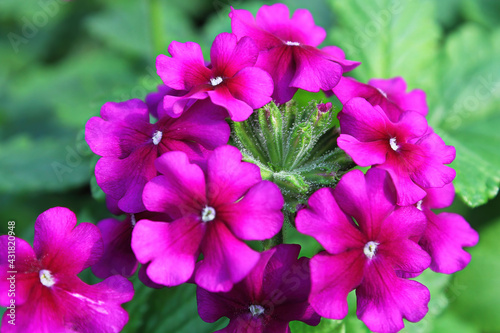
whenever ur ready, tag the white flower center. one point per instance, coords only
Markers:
(256, 310)
(157, 137)
(207, 214)
(216, 81)
(419, 205)
(382, 92)
(370, 249)
(46, 278)
(290, 43)
(393, 144)
(133, 221)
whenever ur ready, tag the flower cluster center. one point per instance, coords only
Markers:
(394, 144)
(157, 137)
(216, 81)
(370, 249)
(208, 214)
(290, 43)
(46, 278)
(256, 310)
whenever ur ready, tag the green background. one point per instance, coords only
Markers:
(60, 61)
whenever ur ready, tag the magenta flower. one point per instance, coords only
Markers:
(49, 296)
(389, 94)
(408, 149)
(213, 213)
(447, 233)
(274, 293)
(118, 257)
(370, 243)
(130, 144)
(230, 81)
(289, 49)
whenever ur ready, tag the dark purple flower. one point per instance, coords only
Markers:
(389, 94)
(49, 296)
(230, 81)
(213, 212)
(414, 156)
(370, 243)
(447, 233)
(118, 257)
(274, 293)
(289, 49)
(129, 144)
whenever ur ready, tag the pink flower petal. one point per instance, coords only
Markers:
(222, 265)
(16, 256)
(368, 198)
(185, 69)
(438, 198)
(445, 237)
(120, 129)
(243, 24)
(278, 62)
(180, 184)
(363, 121)
(124, 179)
(64, 247)
(228, 177)
(172, 248)
(383, 299)
(363, 153)
(258, 215)
(229, 56)
(314, 72)
(253, 86)
(238, 109)
(328, 224)
(333, 277)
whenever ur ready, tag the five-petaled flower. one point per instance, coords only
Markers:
(231, 81)
(288, 49)
(212, 212)
(274, 293)
(408, 149)
(129, 144)
(370, 244)
(49, 296)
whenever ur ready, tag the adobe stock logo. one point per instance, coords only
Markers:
(32, 24)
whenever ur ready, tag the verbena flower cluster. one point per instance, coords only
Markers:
(192, 200)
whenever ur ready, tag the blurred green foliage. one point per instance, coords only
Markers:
(62, 60)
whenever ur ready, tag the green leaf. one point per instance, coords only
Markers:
(45, 164)
(325, 326)
(464, 110)
(475, 290)
(482, 11)
(128, 26)
(390, 38)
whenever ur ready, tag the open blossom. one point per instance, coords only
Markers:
(289, 49)
(446, 233)
(274, 293)
(389, 94)
(129, 144)
(118, 257)
(370, 243)
(212, 212)
(408, 149)
(49, 296)
(231, 81)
